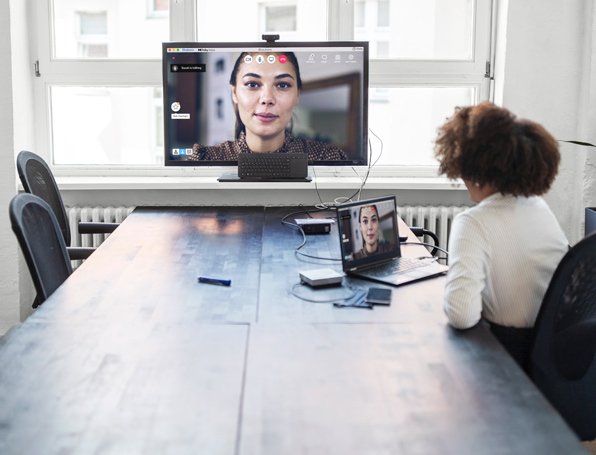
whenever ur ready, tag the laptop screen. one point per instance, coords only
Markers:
(368, 231)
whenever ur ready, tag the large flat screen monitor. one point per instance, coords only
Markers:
(221, 99)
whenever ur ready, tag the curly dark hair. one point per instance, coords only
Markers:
(487, 144)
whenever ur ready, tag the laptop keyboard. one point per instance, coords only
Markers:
(400, 265)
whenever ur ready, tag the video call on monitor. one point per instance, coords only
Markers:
(198, 107)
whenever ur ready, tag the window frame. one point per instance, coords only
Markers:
(384, 73)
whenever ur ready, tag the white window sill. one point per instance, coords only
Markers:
(421, 178)
(92, 183)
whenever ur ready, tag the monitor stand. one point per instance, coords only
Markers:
(234, 178)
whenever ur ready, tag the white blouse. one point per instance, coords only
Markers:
(502, 255)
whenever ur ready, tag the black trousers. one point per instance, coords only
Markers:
(516, 341)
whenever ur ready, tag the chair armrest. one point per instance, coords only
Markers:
(78, 253)
(420, 232)
(97, 228)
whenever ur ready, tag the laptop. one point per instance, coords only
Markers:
(369, 242)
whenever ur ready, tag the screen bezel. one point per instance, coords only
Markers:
(264, 47)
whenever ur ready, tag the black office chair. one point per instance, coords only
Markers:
(41, 240)
(562, 356)
(37, 178)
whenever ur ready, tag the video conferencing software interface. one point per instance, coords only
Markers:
(205, 103)
(368, 230)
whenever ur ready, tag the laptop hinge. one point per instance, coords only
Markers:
(386, 261)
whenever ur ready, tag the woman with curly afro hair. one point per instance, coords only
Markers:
(503, 251)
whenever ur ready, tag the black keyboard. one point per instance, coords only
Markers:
(273, 165)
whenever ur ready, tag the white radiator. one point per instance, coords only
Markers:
(437, 219)
(93, 214)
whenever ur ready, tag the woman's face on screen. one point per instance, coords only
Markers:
(266, 93)
(369, 227)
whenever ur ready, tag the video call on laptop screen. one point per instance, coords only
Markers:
(368, 230)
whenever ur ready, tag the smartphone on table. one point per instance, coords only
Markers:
(378, 296)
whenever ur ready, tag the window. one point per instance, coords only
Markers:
(98, 97)
(157, 123)
(122, 130)
(301, 20)
(429, 56)
(359, 14)
(426, 30)
(383, 13)
(92, 34)
(158, 8)
(280, 18)
(108, 29)
(382, 49)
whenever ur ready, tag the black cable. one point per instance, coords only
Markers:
(317, 187)
(299, 228)
(428, 245)
(363, 182)
(335, 299)
(325, 206)
(370, 165)
(381, 152)
(356, 293)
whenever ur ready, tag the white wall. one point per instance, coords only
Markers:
(545, 66)
(544, 76)
(587, 126)
(24, 137)
(9, 289)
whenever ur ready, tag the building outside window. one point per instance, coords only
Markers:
(92, 34)
(280, 18)
(158, 8)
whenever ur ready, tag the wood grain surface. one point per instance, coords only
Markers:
(148, 270)
(121, 389)
(391, 389)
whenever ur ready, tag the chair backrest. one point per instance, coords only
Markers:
(37, 179)
(562, 360)
(42, 243)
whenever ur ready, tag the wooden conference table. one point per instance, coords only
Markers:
(131, 355)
